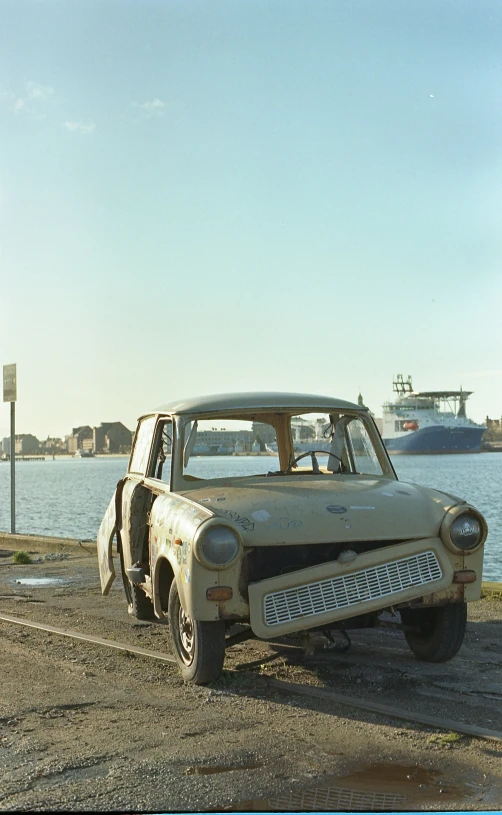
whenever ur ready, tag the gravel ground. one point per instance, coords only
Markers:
(84, 727)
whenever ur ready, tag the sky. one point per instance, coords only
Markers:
(208, 196)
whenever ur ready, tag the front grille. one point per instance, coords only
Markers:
(351, 589)
(335, 799)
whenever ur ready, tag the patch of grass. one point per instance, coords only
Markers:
(233, 679)
(21, 557)
(445, 739)
(491, 591)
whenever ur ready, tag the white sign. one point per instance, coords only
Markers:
(9, 383)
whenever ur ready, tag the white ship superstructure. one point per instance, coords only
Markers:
(429, 421)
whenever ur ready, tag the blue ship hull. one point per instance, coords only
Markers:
(437, 439)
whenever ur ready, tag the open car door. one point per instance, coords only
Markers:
(105, 537)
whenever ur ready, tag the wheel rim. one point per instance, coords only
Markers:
(186, 637)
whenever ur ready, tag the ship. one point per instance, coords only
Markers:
(417, 422)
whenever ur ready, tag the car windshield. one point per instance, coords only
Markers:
(340, 441)
(319, 443)
(227, 447)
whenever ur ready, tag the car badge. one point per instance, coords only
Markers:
(346, 556)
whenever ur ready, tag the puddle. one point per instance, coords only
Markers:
(201, 770)
(40, 581)
(379, 787)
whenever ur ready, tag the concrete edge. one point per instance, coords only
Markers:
(41, 543)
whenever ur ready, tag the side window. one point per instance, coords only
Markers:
(142, 445)
(163, 448)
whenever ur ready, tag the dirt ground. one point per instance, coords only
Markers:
(85, 727)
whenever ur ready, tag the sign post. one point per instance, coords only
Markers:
(10, 395)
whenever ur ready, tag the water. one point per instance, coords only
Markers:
(39, 581)
(378, 787)
(67, 497)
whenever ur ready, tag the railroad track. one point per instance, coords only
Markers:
(291, 688)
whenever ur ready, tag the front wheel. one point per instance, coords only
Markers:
(439, 632)
(199, 646)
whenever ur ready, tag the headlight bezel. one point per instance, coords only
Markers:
(450, 517)
(200, 535)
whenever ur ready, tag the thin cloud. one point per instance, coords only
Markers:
(34, 90)
(80, 127)
(29, 98)
(154, 107)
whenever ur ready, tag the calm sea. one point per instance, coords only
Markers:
(67, 497)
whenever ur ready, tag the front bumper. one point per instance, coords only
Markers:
(335, 591)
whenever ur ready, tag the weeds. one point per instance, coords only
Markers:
(233, 679)
(445, 739)
(21, 557)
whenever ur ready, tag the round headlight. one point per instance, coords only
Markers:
(466, 531)
(463, 530)
(217, 547)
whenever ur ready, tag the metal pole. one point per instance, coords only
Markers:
(13, 467)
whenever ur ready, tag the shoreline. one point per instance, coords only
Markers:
(263, 454)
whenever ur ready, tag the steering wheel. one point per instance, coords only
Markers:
(315, 464)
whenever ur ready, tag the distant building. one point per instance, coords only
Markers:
(212, 442)
(263, 433)
(493, 430)
(112, 437)
(109, 437)
(378, 422)
(81, 438)
(301, 429)
(25, 445)
(53, 445)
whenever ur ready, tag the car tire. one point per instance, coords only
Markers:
(139, 604)
(199, 646)
(440, 631)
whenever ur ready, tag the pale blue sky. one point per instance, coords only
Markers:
(200, 197)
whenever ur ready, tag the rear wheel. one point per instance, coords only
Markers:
(139, 604)
(199, 646)
(439, 632)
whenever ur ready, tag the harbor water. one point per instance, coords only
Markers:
(67, 497)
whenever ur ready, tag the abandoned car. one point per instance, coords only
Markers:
(282, 513)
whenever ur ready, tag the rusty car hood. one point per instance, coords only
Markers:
(303, 509)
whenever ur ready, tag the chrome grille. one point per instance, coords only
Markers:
(351, 589)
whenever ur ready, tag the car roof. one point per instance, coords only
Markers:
(259, 402)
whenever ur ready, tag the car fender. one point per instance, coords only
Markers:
(167, 556)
